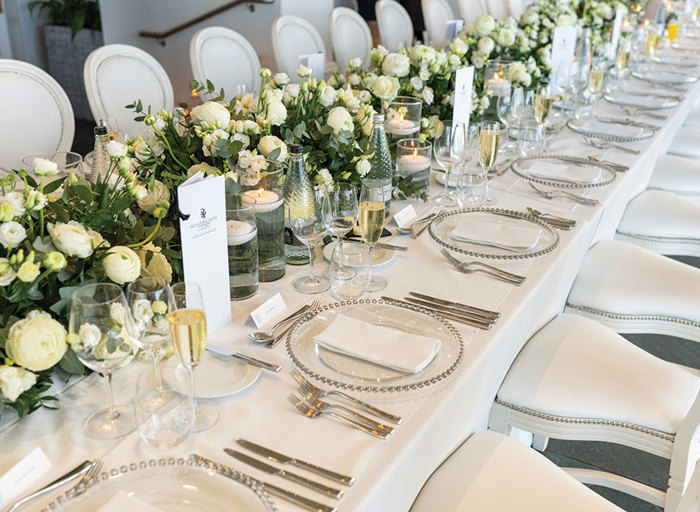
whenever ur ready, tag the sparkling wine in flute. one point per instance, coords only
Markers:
(488, 148)
(371, 221)
(595, 80)
(623, 59)
(188, 332)
(543, 106)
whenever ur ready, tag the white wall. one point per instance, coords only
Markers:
(25, 33)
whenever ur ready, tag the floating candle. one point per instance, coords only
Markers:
(499, 86)
(413, 163)
(239, 232)
(265, 200)
(401, 126)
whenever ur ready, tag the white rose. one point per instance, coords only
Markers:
(12, 233)
(154, 197)
(211, 113)
(276, 112)
(458, 46)
(328, 96)
(71, 238)
(340, 119)
(484, 25)
(365, 116)
(281, 78)
(36, 342)
(486, 45)
(396, 64)
(249, 102)
(204, 168)
(422, 53)
(122, 265)
(158, 266)
(14, 381)
(303, 71)
(530, 17)
(378, 51)
(363, 167)
(385, 87)
(269, 143)
(142, 312)
(44, 167)
(505, 37)
(428, 96)
(424, 74)
(116, 149)
(7, 274)
(416, 83)
(90, 335)
(564, 20)
(15, 200)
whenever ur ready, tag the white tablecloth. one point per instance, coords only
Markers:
(389, 473)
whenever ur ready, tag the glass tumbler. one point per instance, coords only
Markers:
(349, 285)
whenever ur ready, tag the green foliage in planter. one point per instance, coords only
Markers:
(76, 14)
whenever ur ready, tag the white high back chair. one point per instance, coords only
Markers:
(497, 8)
(516, 8)
(436, 14)
(117, 74)
(36, 113)
(351, 37)
(470, 10)
(293, 36)
(395, 25)
(226, 58)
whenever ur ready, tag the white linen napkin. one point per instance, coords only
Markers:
(562, 172)
(121, 502)
(593, 125)
(632, 99)
(496, 234)
(379, 345)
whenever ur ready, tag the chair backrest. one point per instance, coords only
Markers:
(516, 8)
(497, 8)
(395, 25)
(470, 10)
(293, 36)
(36, 113)
(351, 37)
(226, 58)
(117, 74)
(436, 14)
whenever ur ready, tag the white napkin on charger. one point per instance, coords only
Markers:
(621, 130)
(632, 99)
(379, 345)
(121, 502)
(571, 173)
(496, 234)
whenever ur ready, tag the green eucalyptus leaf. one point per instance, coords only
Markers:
(54, 185)
(70, 364)
(61, 213)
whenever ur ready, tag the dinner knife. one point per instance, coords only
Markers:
(246, 359)
(481, 317)
(444, 302)
(284, 459)
(485, 325)
(262, 466)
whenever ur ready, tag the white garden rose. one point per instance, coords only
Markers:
(142, 312)
(116, 149)
(328, 96)
(71, 238)
(364, 116)
(564, 20)
(281, 78)
(385, 87)
(428, 96)
(211, 113)
(303, 71)
(416, 83)
(158, 266)
(529, 17)
(484, 25)
(269, 143)
(122, 265)
(154, 197)
(7, 274)
(505, 38)
(276, 112)
(44, 167)
(362, 167)
(12, 233)
(14, 381)
(204, 168)
(486, 45)
(340, 119)
(36, 342)
(396, 64)
(15, 200)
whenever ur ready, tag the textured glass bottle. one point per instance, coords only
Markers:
(381, 172)
(296, 253)
(100, 160)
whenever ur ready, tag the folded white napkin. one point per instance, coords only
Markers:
(379, 345)
(496, 234)
(630, 98)
(621, 130)
(121, 502)
(571, 173)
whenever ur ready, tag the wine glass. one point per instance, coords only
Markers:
(310, 216)
(471, 179)
(188, 334)
(371, 222)
(504, 111)
(487, 153)
(344, 206)
(543, 107)
(102, 333)
(450, 149)
(151, 301)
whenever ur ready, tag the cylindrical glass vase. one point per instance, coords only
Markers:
(242, 242)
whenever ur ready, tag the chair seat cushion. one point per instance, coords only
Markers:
(577, 368)
(693, 118)
(663, 214)
(676, 174)
(492, 472)
(686, 142)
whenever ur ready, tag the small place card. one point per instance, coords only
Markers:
(463, 95)
(452, 28)
(405, 216)
(563, 47)
(616, 31)
(268, 310)
(23, 474)
(317, 63)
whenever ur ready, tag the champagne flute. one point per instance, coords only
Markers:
(344, 206)
(543, 107)
(371, 222)
(102, 332)
(450, 149)
(488, 151)
(595, 79)
(311, 218)
(188, 333)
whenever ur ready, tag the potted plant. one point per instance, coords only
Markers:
(74, 31)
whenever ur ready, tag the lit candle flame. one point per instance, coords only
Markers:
(260, 192)
(415, 152)
(194, 93)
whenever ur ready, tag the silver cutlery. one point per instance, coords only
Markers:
(409, 230)
(554, 220)
(266, 337)
(391, 247)
(633, 122)
(237, 357)
(603, 144)
(327, 406)
(465, 267)
(312, 392)
(552, 194)
(457, 316)
(279, 337)
(494, 314)
(632, 111)
(482, 317)
(293, 477)
(311, 412)
(418, 233)
(284, 459)
(615, 166)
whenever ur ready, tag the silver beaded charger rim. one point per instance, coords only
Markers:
(684, 78)
(567, 158)
(609, 136)
(376, 389)
(640, 106)
(503, 213)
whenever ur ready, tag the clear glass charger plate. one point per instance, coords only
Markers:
(443, 225)
(606, 175)
(649, 102)
(350, 373)
(665, 77)
(172, 485)
(644, 131)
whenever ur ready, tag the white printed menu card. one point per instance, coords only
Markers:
(563, 47)
(462, 104)
(616, 31)
(452, 28)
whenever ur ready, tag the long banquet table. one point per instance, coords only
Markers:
(437, 419)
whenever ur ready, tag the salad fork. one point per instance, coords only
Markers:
(465, 268)
(552, 194)
(600, 144)
(327, 406)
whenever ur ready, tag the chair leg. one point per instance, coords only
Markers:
(498, 419)
(540, 442)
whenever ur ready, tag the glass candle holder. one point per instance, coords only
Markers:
(413, 163)
(242, 242)
(264, 192)
(402, 118)
(67, 162)
(497, 78)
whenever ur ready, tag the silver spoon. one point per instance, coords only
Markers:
(266, 337)
(409, 230)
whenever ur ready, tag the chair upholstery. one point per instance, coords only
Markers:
(470, 10)
(497, 8)
(351, 37)
(29, 94)
(686, 142)
(516, 8)
(226, 58)
(117, 74)
(395, 25)
(436, 14)
(677, 174)
(663, 222)
(293, 36)
(492, 472)
(693, 118)
(632, 290)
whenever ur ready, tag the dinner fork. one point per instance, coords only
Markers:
(551, 194)
(600, 144)
(327, 406)
(486, 268)
(636, 111)
(272, 344)
(312, 412)
(312, 392)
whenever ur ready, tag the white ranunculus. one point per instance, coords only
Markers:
(396, 64)
(365, 116)
(416, 83)
(564, 20)
(14, 381)
(36, 342)
(15, 200)
(276, 112)
(204, 168)
(7, 274)
(505, 38)
(12, 233)
(281, 78)
(212, 113)
(44, 167)
(428, 96)
(484, 25)
(328, 96)
(303, 71)
(158, 266)
(422, 53)
(363, 166)
(71, 238)
(122, 265)
(385, 87)
(269, 143)
(486, 45)
(529, 17)
(339, 119)
(458, 46)
(116, 149)
(154, 197)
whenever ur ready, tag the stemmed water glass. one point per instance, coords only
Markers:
(102, 333)
(450, 149)
(310, 216)
(505, 112)
(488, 152)
(371, 222)
(344, 206)
(188, 333)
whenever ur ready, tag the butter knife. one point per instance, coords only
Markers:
(242, 357)
(284, 459)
